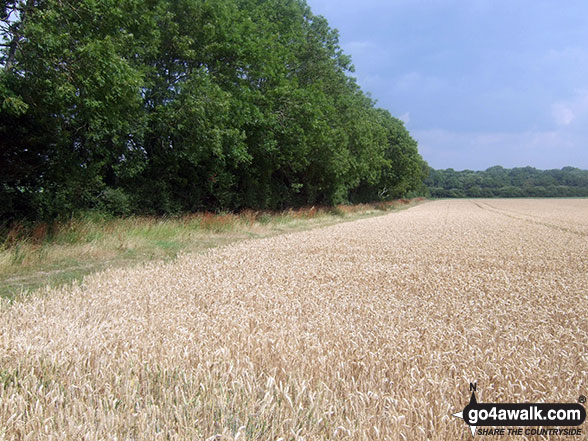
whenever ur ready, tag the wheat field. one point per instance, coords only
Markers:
(369, 330)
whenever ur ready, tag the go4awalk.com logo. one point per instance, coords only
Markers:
(523, 418)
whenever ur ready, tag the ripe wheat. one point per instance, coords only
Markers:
(360, 331)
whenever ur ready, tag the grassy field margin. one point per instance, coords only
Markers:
(35, 256)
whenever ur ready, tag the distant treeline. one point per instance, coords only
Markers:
(170, 106)
(508, 183)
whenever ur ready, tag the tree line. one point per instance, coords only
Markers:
(502, 182)
(170, 106)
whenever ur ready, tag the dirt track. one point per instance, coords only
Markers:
(365, 330)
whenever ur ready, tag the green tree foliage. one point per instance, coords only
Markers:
(510, 183)
(164, 106)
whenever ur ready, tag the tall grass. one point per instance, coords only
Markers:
(35, 254)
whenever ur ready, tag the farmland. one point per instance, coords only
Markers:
(364, 330)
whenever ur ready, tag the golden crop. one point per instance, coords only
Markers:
(360, 331)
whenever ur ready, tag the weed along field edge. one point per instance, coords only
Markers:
(39, 255)
(373, 329)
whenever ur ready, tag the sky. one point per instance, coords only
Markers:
(478, 83)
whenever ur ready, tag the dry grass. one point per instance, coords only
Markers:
(359, 331)
(41, 254)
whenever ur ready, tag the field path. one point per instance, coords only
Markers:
(359, 331)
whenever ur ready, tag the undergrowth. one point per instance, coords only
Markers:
(37, 254)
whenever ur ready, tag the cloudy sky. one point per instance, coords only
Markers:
(478, 82)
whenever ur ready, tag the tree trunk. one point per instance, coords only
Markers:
(15, 31)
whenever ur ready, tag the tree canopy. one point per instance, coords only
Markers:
(515, 182)
(167, 106)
